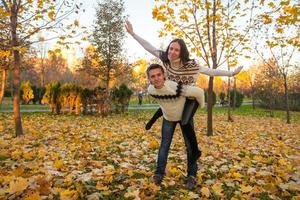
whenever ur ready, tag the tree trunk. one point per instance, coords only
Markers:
(211, 79)
(210, 106)
(253, 100)
(3, 85)
(234, 93)
(288, 121)
(42, 73)
(229, 116)
(16, 71)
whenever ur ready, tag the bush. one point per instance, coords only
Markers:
(86, 96)
(222, 99)
(70, 96)
(120, 97)
(222, 96)
(102, 100)
(278, 101)
(7, 93)
(38, 93)
(238, 99)
(26, 92)
(52, 97)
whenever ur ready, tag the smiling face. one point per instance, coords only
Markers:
(157, 77)
(174, 51)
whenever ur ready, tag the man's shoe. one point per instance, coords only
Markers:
(157, 179)
(191, 182)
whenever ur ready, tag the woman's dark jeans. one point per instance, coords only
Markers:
(168, 128)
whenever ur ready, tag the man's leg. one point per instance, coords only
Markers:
(168, 128)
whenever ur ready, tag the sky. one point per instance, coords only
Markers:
(140, 15)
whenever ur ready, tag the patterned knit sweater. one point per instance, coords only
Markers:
(186, 74)
(171, 98)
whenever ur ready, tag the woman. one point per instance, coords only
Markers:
(179, 68)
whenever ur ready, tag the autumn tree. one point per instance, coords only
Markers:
(4, 67)
(122, 74)
(108, 36)
(216, 31)
(219, 85)
(24, 19)
(90, 62)
(5, 56)
(280, 40)
(55, 67)
(245, 82)
(267, 85)
(42, 51)
(140, 81)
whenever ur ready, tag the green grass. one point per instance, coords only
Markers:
(146, 100)
(244, 110)
(247, 110)
(24, 107)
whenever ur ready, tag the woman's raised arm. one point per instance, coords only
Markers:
(147, 46)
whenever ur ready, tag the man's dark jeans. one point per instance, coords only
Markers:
(168, 128)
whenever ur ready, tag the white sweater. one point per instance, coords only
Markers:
(171, 98)
(188, 73)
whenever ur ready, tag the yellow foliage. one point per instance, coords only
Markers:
(18, 171)
(153, 144)
(76, 23)
(32, 196)
(217, 188)
(58, 164)
(51, 15)
(246, 189)
(267, 19)
(16, 154)
(205, 192)
(116, 159)
(279, 30)
(18, 185)
(28, 155)
(102, 187)
(66, 194)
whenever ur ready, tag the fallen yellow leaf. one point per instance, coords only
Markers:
(18, 185)
(205, 191)
(246, 189)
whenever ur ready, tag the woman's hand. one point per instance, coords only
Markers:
(129, 28)
(237, 70)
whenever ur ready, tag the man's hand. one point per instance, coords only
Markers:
(129, 28)
(237, 70)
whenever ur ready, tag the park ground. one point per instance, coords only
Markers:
(90, 157)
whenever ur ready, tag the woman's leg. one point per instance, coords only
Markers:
(193, 152)
(190, 108)
(156, 115)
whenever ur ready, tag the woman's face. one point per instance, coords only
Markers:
(174, 51)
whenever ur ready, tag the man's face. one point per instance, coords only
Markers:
(157, 78)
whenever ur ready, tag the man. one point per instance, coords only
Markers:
(171, 97)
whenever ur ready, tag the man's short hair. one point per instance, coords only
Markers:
(155, 66)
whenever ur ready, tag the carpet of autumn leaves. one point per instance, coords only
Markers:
(90, 157)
